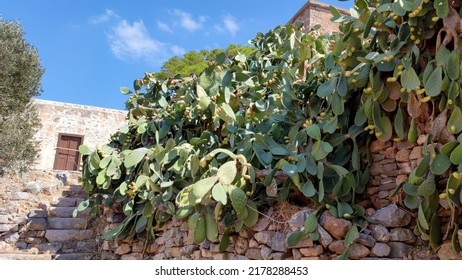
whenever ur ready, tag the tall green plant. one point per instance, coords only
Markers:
(296, 117)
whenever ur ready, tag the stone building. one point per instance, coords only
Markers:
(313, 13)
(65, 126)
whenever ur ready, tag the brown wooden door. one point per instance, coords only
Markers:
(67, 154)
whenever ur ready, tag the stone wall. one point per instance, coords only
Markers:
(313, 13)
(93, 123)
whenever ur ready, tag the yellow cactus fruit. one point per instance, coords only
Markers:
(426, 99)
(435, 19)
(451, 191)
(443, 195)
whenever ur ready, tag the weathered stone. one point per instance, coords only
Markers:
(86, 246)
(132, 256)
(399, 249)
(278, 256)
(3, 219)
(188, 249)
(253, 243)
(402, 155)
(446, 252)
(416, 153)
(263, 237)
(337, 246)
(402, 145)
(358, 251)
(296, 254)
(392, 216)
(52, 248)
(37, 213)
(382, 194)
(36, 187)
(65, 235)
(241, 258)
(21, 245)
(65, 202)
(366, 240)
(297, 221)
(312, 252)
(67, 223)
(324, 237)
(160, 256)
(265, 252)
(23, 196)
(380, 233)
(206, 254)
(253, 254)
(175, 251)
(33, 240)
(11, 237)
(378, 146)
(387, 186)
(380, 250)
(74, 256)
(403, 235)
(400, 179)
(279, 242)
(137, 247)
(338, 228)
(66, 212)
(376, 169)
(8, 227)
(37, 224)
(378, 157)
(219, 257)
(123, 249)
(262, 224)
(390, 152)
(241, 245)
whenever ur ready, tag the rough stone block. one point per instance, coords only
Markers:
(52, 248)
(65, 235)
(34, 240)
(37, 224)
(23, 196)
(74, 256)
(65, 202)
(37, 213)
(3, 219)
(67, 223)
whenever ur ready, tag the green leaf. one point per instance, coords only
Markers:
(200, 231)
(219, 194)
(454, 124)
(423, 166)
(211, 227)
(456, 155)
(399, 123)
(311, 223)
(84, 150)
(441, 7)
(202, 187)
(440, 164)
(340, 170)
(452, 70)
(294, 238)
(290, 169)
(435, 232)
(308, 189)
(433, 84)
(141, 224)
(351, 236)
(428, 187)
(252, 217)
(125, 90)
(224, 243)
(313, 131)
(327, 88)
(104, 162)
(238, 200)
(227, 172)
(409, 79)
(331, 125)
(421, 218)
(113, 232)
(277, 149)
(135, 157)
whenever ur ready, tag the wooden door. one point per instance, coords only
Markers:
(67, 154)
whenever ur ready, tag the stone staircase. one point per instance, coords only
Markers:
(52, 233)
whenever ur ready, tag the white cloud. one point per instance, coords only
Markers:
(188, 22)
(133, 41)
(231, 25)
(108, 14)
(163, 26)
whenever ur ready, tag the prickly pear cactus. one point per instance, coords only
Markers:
(292, 120)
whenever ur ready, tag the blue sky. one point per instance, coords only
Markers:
(89, 49)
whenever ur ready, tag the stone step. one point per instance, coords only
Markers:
(75, 191)
(67, 235)
(74, 256)
(22, 256)
(66, 201)
(66, 212)
(67, 223)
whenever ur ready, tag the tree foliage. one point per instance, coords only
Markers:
(294, 118)
(20, 74)
(194, 62)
